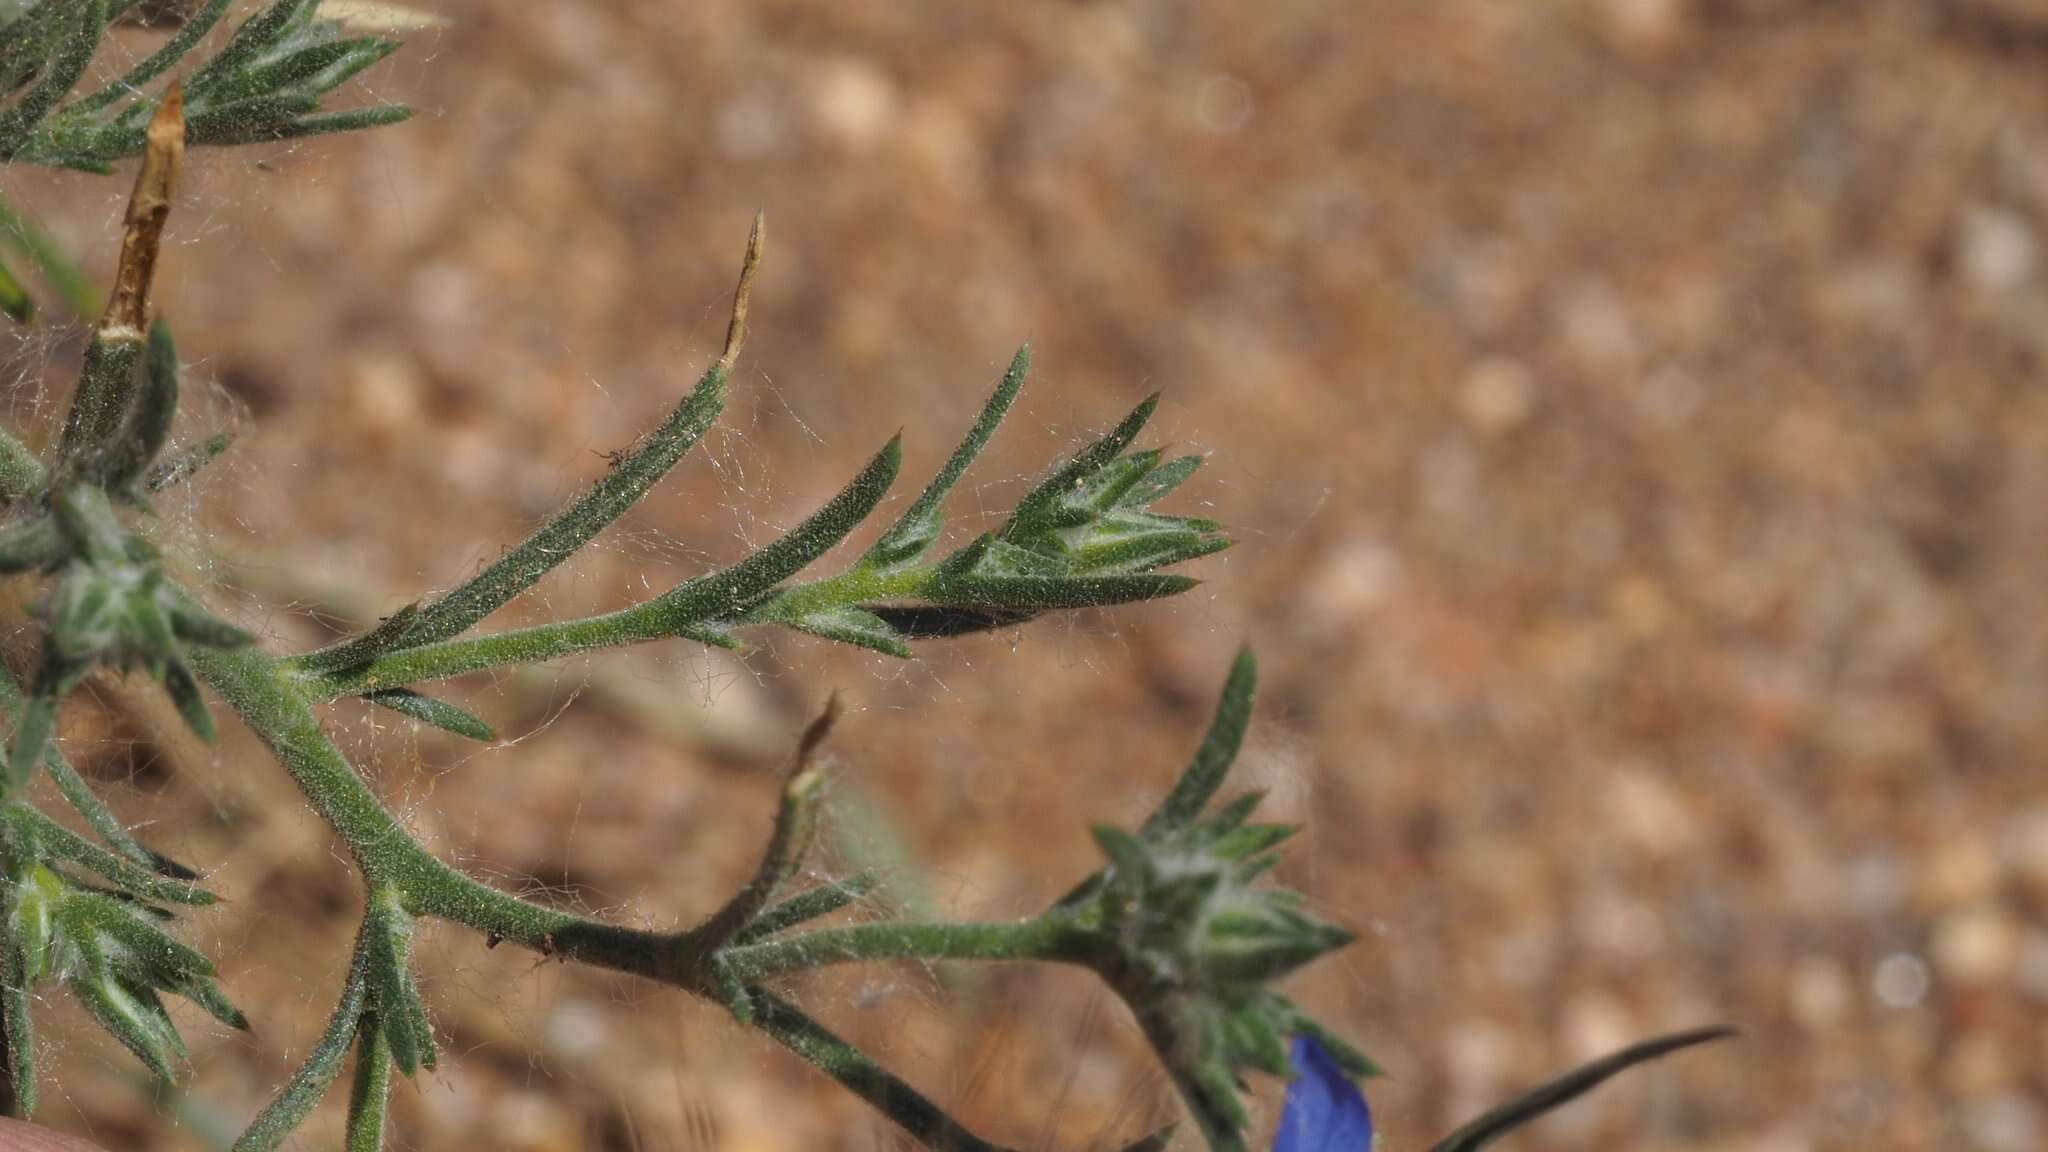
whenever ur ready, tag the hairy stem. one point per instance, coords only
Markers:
(696, 618)
(281, 714)
(1056, 936)
(859, 1074)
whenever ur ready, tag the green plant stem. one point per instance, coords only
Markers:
(694, 617)
(635, 625)
(1052, 937)
(277, 706)
(892, 1097)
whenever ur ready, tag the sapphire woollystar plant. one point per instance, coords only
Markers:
(1181, 921)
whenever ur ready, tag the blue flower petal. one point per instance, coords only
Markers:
(1325, 1111)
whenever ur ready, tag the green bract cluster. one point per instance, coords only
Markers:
(107, 944)
(109, 948)
(266, 83)
(1194, 947)
(1184, 923)
(1084, 536)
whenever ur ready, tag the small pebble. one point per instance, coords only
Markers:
(1901, 980)
(1975, 946)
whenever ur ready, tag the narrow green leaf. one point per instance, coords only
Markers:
(1032, 514)
(60, 843)
(165, 960)
(1138, 542)
(1100, 492)
(125, 1015)
(1159, 482)
(728, 592)
(1125, 854)
(573, 527)
(33, 723)
(393, 996)
(289, 1108)
(1218, 751)
(438, 713)
(194, 625)
(859, 1074)
(928, 622)
(1266, 959)
(183, 689)
(1248, 842)
(14, 299)
(848, 625)
(1572, 1085)
(1046, 593)
(1231, 815)
(205, 993)
(316, 69)
(908, 538)
(369, 1099)
(80, 796)
(197, 25)
(58, 270)
(1348, 1058)
(346, 120)
(255, 37)
(60, 75)
(181, 468)
(256, 120)
(807, 906)
(17, 997)
(361, 649)
(1258, 1043)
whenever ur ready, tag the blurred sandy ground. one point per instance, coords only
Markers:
(1630, 410)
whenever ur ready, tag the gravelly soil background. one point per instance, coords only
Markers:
(1630, 411)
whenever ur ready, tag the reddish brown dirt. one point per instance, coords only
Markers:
(1630, 412)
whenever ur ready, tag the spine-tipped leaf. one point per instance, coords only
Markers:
(808, 906)
(56, 842)
(1211, 763)
(438, 713)
(1572, 1085)
(1159, 483)
(574, 526)
(17, 999)
(393, 998)
(1038, 510)
(847, 625)
(289, 1108)
(730, 591)
(914, 533)
(369, 1098)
